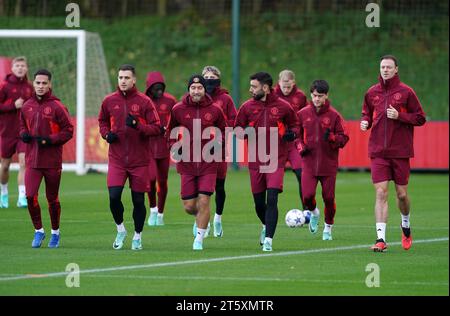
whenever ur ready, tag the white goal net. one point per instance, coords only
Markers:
(80, 79)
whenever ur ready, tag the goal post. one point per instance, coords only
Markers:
(65, 56)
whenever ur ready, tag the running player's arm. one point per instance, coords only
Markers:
(339, 137)
(6, 105)
(151, 126)
(104, 121)
(291, 121)
(231, 112)
(414, 115)
(367, 111)
(61, 127)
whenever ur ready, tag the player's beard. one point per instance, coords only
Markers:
(259, 95)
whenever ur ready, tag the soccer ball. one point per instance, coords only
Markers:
(295, 218)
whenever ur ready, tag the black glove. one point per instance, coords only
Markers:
(111, 137)
(26, 138)
(131, 121)
(289, 136)
(162, 129)
(43, 141)
(304, 151)
(327, 134)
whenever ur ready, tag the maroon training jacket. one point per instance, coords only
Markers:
(297, 98)
(274, 112)
(12, 89)
(132, 148)
(46, 117)
(392, 138)
(159, 144)
(222, 99)
(322, 156)
(183, 114)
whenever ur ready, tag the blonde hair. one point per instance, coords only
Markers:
(19, 59)
(287, 74)
(212, 69)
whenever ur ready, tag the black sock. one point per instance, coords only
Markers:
(298, 174)
(272, 212)
(115, 204)
(260, 206)
(220, 196)
(139, 211)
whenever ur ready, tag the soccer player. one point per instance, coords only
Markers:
(265, 110)
(196, 112)
(45, 126)
(321, 136)
(14, 91)
(222, 99)
(287, 90)
(159, 148)
(127, 119)
(391, 109)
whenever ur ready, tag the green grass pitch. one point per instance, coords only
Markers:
(301, 263)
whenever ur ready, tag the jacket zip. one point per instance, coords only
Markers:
(126, 131)
(38, 119)
(198, 163)
(317, 142)
(385, 119)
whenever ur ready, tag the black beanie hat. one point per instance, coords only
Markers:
(197, 79)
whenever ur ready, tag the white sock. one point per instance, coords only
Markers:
(381, 231)
(161, 215)
(327, 228)
(39, 230)
(269, 240)
(22, 192)
(217, 218)
(405, 221)
(200, 234)
(154, 209)
(316, 212)
(137, 236)
(4, 188)
(55, 232)
(121, 228)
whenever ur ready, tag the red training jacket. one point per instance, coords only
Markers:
(183, 114)
(322, 156)
(12, 89)
(159, 144)
(132, 148)
(392, 138)
(274, 112)
(297, 99)
(45, 117)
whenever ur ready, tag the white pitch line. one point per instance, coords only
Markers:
(220, 259)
